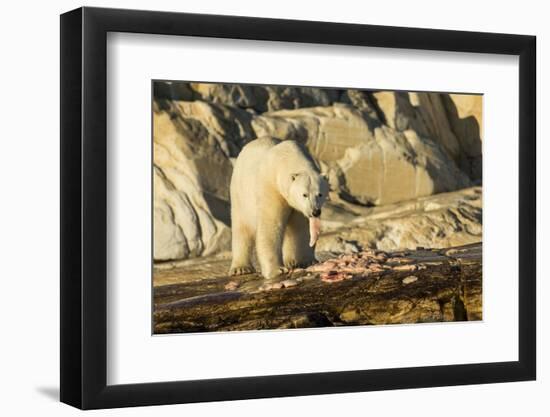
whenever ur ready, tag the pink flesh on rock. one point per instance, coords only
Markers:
(314, 230)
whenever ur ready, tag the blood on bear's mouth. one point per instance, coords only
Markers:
(314, 230)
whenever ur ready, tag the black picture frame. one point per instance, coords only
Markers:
(84, 207)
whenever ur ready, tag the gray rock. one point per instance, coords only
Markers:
(193, 146)
(264, 98)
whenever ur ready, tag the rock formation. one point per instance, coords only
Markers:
(385, 151)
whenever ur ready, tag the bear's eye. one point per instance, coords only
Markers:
(319, 195)
(305, 195)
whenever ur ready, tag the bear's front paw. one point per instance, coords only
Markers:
(294, 264)
(241, 270)
(275, 272)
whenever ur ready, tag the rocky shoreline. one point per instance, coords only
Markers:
(366, 288)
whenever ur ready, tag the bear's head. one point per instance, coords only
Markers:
(307, 193)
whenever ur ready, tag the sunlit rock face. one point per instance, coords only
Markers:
(379, 149)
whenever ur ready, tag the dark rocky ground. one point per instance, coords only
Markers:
(364, 288)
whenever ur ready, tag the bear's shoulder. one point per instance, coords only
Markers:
(293, 152)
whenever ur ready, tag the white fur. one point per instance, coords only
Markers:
(268, 208)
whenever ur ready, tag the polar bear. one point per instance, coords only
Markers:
(276, 192)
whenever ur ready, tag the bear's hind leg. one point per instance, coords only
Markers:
(242, 244)
(296, 250)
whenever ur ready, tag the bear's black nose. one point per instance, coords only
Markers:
(316, 212)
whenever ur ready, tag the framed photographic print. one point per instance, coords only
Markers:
(256, 208)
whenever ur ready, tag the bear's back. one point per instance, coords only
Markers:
(252, 156)
(294, 154)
